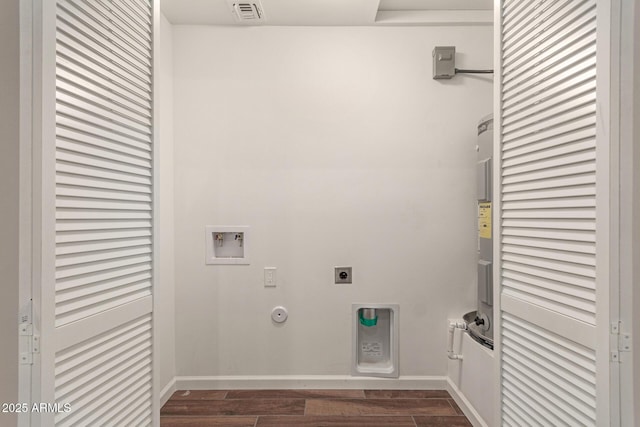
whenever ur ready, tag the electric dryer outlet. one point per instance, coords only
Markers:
(343, 275)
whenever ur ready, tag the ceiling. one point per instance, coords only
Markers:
(335, 12)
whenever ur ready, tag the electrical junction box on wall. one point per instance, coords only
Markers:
(227, 244)
(444, 62)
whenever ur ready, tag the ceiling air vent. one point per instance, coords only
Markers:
(249, 12)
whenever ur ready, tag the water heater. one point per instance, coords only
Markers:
(481, 322)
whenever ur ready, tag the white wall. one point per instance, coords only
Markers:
(9, 160)
(473, 377)
(165, 283)
(336, 146)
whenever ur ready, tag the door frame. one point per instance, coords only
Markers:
(43, 207)
(629, 249)
(25, 202)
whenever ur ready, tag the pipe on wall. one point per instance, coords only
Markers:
(453, 325)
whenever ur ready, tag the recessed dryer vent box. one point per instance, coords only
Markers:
(227, 244)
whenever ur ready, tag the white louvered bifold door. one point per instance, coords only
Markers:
(102, 310)
(548, 201)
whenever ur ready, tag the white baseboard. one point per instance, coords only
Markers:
(308, 382)
(167, 391)
(474, 418)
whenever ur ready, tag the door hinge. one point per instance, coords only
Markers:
(621, 342)
(26, 330)
(624, 342)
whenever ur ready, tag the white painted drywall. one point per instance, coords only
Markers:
(474, 376)
(338, 149)
(165, 282)
(9, 191)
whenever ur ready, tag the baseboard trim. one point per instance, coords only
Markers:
(308, 382)
(167, 391)
(474, 417)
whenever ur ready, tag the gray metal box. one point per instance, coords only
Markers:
(444, 62)
(483, 181)
(485, 282)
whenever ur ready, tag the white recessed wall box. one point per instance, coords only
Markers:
(227, 244)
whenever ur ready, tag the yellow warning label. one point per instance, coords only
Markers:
(484, 220)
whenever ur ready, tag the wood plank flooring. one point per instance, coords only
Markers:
(312, 408)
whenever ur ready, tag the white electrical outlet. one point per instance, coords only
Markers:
(270, 277)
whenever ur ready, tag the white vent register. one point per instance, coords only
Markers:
(249, 12)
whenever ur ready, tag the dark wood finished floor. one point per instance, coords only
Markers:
(312, 408)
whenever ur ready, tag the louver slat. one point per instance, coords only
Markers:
(554, 66)
(80, 258)
(74, 293)
(544, 29)
(575, 246)
(103, 162)
(136, 413)
(104, 222)
(126, 23)
(108, 368)
(558, 276)
(548, 212)
(99, 98)
(83, 247)
(122, 61)
(536, 146)
(551, 371)
(83, 170)
(97, 236)
(98, 183)
(102, 277)
(74, 56)
(554, 39)
(93, 119)
(101, 109)
(79, 70)
(102, 155)
(99, 266)
(103, 30)
(99, 193)
(131, 17)
(514, 12)
(139, 8)
(108, 93)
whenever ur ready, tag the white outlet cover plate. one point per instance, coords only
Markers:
(270, 277)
